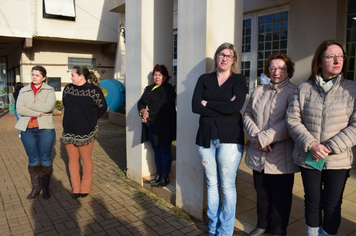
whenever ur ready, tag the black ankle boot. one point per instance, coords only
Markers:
(164, 180)
(156, 179)
(35, 181)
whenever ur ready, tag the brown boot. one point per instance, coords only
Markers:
(35, 181)
(46, 172)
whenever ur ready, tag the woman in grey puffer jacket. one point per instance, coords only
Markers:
(322, 121)
(269, 152)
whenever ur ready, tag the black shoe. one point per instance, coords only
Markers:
(75, 195)
(257, 232)
(83, 195)
(164, 180)
(156, 179)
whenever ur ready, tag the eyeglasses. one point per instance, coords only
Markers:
(274, 69)
(333, 57)
(228, 57)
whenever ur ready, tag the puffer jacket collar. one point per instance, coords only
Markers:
(278, 86)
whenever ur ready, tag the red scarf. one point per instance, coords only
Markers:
(35, 90)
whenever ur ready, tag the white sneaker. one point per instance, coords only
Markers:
(19, 135)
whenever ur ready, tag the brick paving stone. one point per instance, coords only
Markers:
(161, 226)
(150, 232)
(96, 227)
(123, 231)
(74, 232)
(112, 232)
(166, 230)
(150, 222)
(145, 215)
(189, 229)
(195, 232)
(115, 206)
(176, 224)
(158, 220)
(177, 233)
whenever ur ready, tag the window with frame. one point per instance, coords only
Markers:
(245, 70)
(174, 62)
(246, 36)
(263, 33)
(55, 82)
(272, 37)
(76, 61)
(351, 40)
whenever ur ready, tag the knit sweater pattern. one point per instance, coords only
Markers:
(83, 106)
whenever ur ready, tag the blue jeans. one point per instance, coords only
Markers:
(38, 145)
(163, 153)
(221, 162)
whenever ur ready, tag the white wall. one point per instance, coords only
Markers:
(54, 57)
(306, 33)
(93, 21)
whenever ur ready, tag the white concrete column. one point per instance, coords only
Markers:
(148, 42)
(202, 27)
(120, 59)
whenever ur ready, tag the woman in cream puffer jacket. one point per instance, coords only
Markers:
(322, 121)
(269, 151)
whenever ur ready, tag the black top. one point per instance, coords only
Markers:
(83, 106)
(16, 94)
(162, 112)
(220, 114)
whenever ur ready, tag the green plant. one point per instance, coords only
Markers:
(59, 105)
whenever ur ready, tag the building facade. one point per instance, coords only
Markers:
(57, 35)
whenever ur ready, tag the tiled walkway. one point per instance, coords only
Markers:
(117, 206)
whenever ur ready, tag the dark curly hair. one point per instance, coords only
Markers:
(163, 70)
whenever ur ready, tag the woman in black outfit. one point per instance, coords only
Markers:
(158, 112)
(218, 98)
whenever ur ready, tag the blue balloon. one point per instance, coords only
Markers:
(115, 94)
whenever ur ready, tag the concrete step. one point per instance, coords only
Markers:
(168, 193)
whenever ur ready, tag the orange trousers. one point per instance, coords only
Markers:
(80, 185)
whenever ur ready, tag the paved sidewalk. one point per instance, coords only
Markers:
(115, 206)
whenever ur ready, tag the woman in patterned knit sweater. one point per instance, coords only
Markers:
(84, 104)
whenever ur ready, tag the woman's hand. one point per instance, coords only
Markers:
(257, 144)
(203, 102)
(319, 151)
(145, 113)
(45, 114)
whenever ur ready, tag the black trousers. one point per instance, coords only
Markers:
(274, 200)
(323, 192)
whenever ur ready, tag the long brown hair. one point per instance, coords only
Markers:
(89, 76)
(318, 55)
